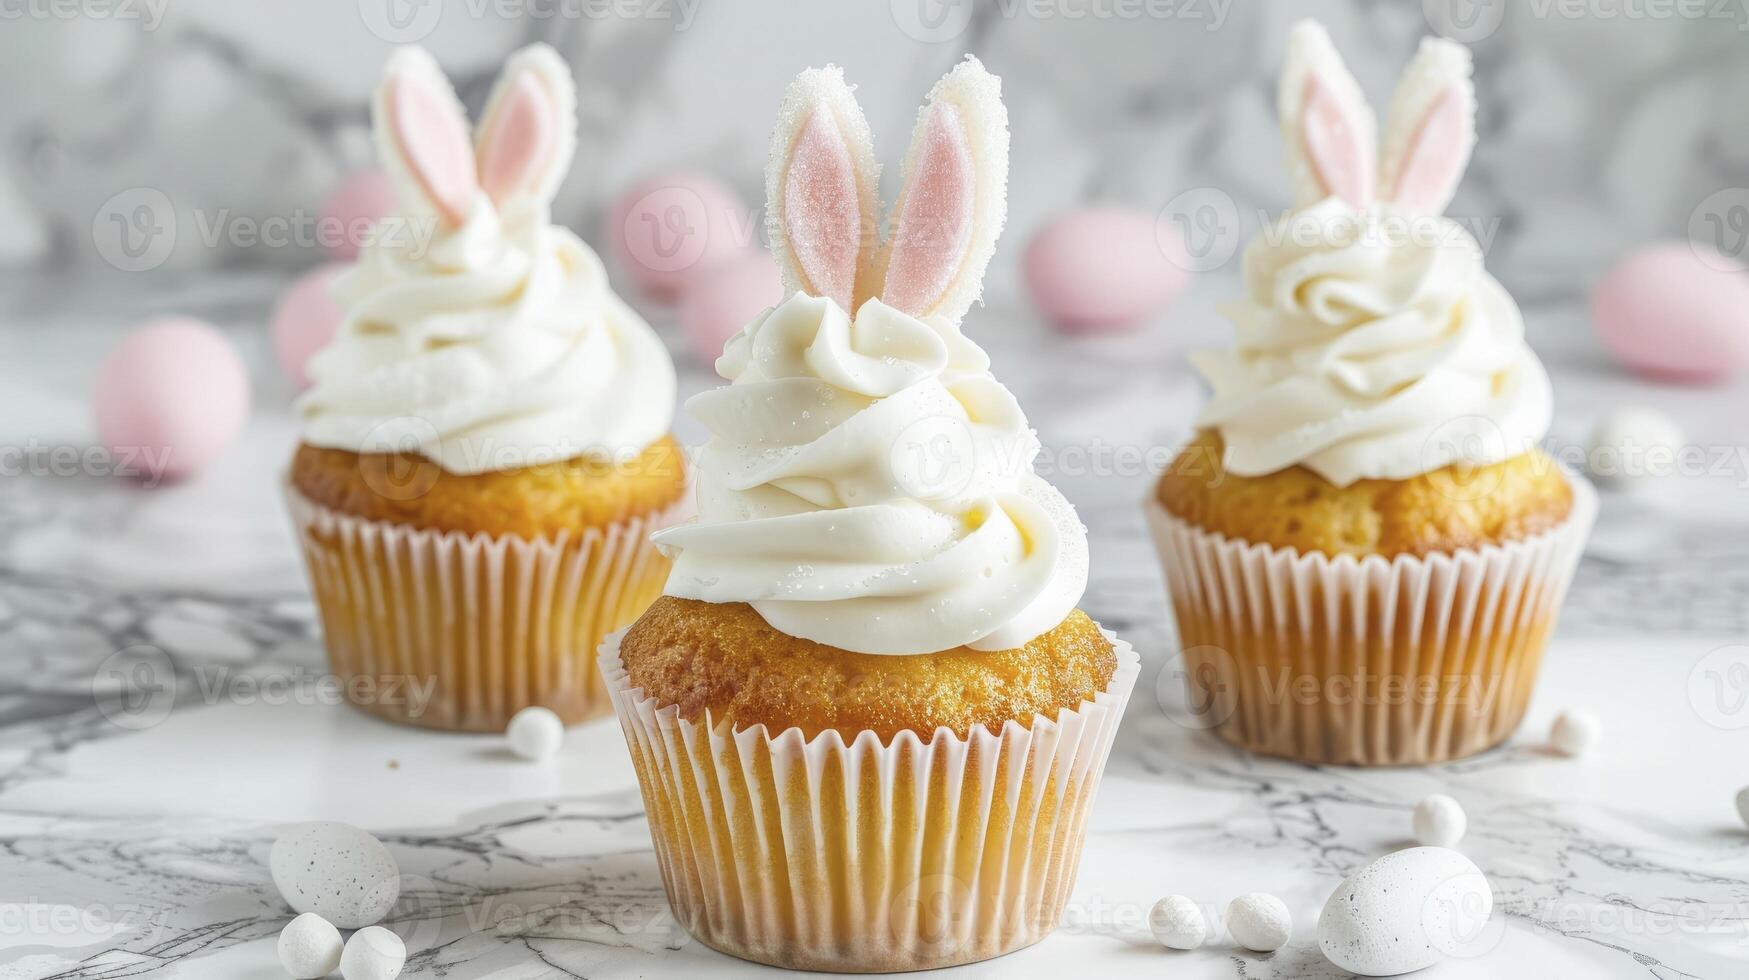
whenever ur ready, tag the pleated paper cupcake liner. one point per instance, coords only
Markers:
(814, 854)
(1365, 661)
(460, 631)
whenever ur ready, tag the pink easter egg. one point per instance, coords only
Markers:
(718, 301)
(171, 396)
(1670, 314)
(1102, 269)
(665, 228)
(305, 320)
(355, 204)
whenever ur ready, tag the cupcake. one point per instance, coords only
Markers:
(1365, 548)
(485, 443)
(866, 716)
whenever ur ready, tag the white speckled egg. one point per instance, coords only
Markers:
(1404, 912)
(309, 947)
(373, 954)
(1743, 805)
(1259, 922)
(337, 871)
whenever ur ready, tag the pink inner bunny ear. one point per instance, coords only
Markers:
(433, 143)
(1339, 150)
(822, 219)
(518, 140)
(935, 224)
(1436, 156)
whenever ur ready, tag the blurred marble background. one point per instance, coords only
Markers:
(1604, 122)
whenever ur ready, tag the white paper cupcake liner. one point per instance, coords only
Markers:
(460, 631)
(1365, 661)
(862, 857)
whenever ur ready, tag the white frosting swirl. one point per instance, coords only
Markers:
(1372, 346)
(498, 344)
(868, 484)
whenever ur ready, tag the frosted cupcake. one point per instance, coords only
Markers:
(485, 444)
(1365, 549)
(867, 717)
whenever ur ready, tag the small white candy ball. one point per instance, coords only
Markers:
(1743, 804)
(1178, 922)
(1439, 821)
(1259, 922)
(1634, 444)
(374, 953)
(1576, 731)
(309, 947)
(535, 733)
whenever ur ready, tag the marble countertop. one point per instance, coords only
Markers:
(133, 833)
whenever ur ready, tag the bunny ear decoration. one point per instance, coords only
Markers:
(528, 133)
(953, 200)
(821, 183)
(422, 137)
(1430, 130)
(1326, 124)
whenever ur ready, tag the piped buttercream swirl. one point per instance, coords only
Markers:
(868, 484)
(1372, 345)
(488, 346)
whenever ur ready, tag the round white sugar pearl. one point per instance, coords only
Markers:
(1576, 731)
(1259, 922)
(309, 947)
(535, 733)
(1439, 821)
(373, 953)
(1178, 922)
(1632, 445)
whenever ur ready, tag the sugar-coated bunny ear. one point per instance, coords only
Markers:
(1430, 130)
(422, 137)
(953, 200)
(529, 131)
(1326, 124)
(821, 185)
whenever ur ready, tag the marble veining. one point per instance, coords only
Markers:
(161, 707)
(136, 808)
